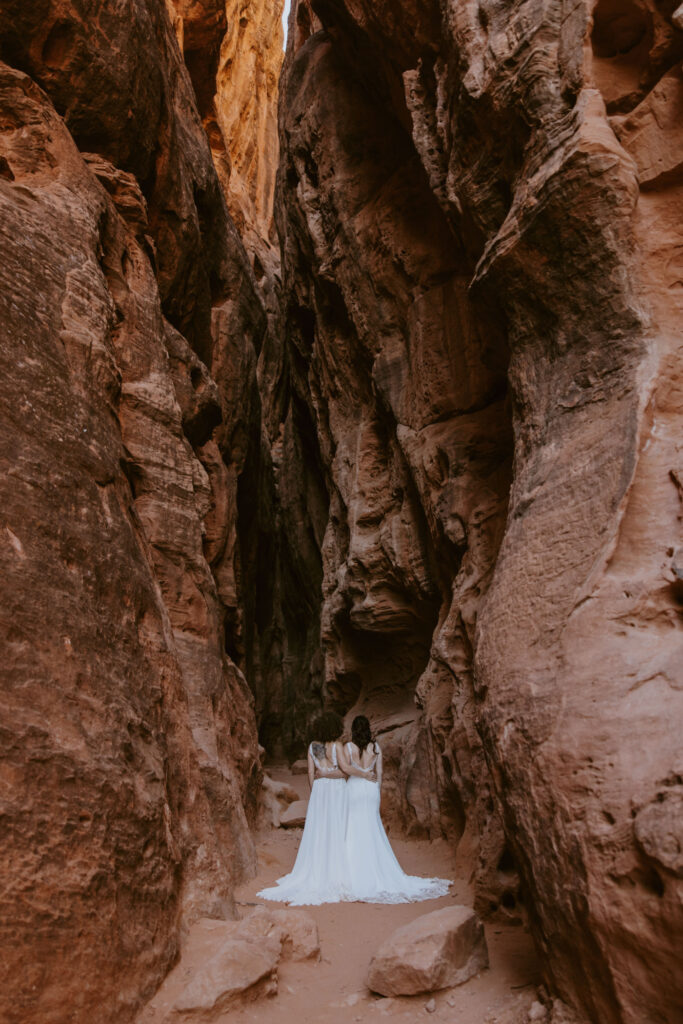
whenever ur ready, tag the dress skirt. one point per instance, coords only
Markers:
(320, 873)
(375, 876)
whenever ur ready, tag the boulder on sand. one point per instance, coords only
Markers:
(274, 798)
(295, 815)
(283, 792)
(226, 964)
(301, 940)
(437, 950)
(240, 972)
(294, 930)
(223, 964)
(300, 767)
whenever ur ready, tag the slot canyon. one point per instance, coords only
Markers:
(347, 375)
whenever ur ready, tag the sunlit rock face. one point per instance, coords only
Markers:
(480, 218)
(233, 52)
(129, 328)
(246, 112)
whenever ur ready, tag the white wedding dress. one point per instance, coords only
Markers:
(320, 873)
(375, 876)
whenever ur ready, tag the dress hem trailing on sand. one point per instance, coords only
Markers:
(320, 873)
(345, 856)
(375, 875)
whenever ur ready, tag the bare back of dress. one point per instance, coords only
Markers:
(319, 754)
(371, 769)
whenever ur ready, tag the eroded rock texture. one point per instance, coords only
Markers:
(130, 325)
(480, 216)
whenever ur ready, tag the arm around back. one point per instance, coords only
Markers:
(344, 759)
(311, 766)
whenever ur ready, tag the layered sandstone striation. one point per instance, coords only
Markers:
(479, 212)
(130, 326)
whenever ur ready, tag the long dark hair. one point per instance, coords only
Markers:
(327, 727)
(361, 733)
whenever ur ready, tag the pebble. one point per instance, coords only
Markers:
(430, 1007)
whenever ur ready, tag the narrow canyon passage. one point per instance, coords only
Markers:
(333, 989)
(342, 375)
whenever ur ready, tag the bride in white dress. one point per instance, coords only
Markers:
(320, 873)
(374, 874)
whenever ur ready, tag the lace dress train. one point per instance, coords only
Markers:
(375, 875)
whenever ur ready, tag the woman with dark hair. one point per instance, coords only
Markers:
(320, 873)
(375, 876)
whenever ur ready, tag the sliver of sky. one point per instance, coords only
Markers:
(285, 19)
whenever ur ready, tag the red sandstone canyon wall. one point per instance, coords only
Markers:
(480, 219)
(129, 324)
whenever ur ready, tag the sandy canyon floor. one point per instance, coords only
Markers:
(334, 989)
